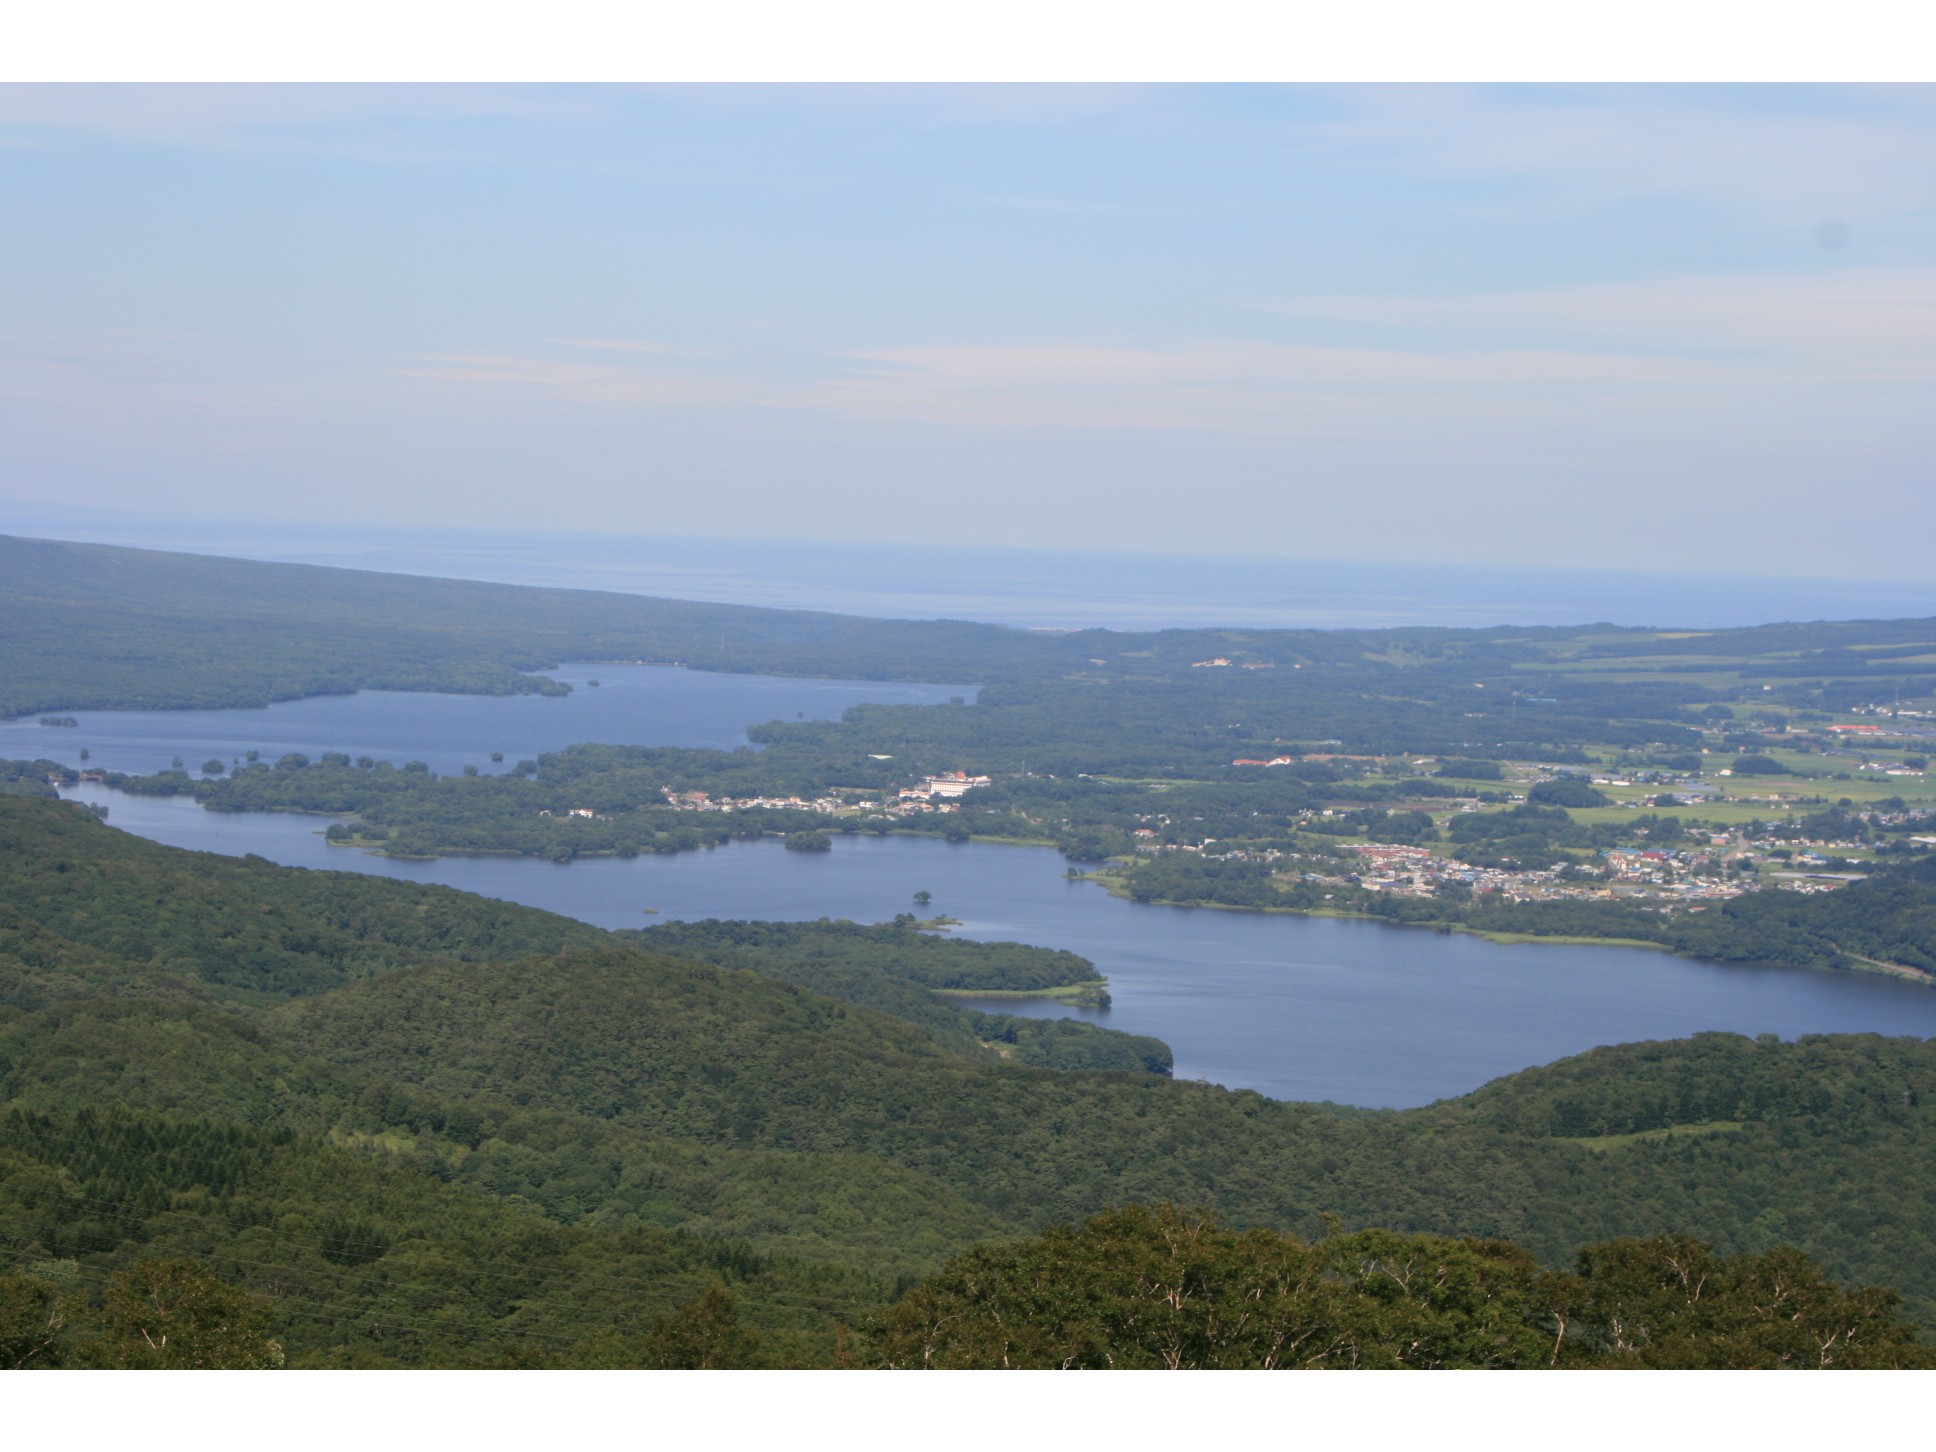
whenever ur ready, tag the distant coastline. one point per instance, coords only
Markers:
(1033, 588)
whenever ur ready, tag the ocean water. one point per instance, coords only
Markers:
(1038, 589)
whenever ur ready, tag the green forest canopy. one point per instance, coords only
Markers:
(423, 1160)
(445, 1132)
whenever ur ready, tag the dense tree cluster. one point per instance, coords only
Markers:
(1168, 1289)
(894, 969)
(32, 778)
(134, 1240)
(151, 1315)
(425, 1161)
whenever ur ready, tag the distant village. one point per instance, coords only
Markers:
(935, 794)
(1723, 864)
(1716, 862)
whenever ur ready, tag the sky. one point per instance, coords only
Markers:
(1635, 326)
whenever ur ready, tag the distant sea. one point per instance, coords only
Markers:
(1037, 589)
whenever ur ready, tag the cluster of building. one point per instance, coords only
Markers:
(1875, 709)
(948, 784)
(697, 801)
(1660, 874)
(934, 794)
(1312, 756)
(1628, 873)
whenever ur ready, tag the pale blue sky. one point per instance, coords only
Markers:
(1672, 327)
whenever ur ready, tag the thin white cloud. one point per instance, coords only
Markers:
(1038, 204)
(1782, 160)
(1235, 387)
(612, 345)
(915, 104)
(564, 380)
(1846, 343)
(1777, 157)
(1871, 323)
(157, 387)
(253, 115)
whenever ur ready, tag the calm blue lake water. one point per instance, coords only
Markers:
(1297, 1008)
(653, 705)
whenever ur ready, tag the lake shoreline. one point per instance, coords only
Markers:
(1295, 1006)
(1112, 883)
(1093, 994)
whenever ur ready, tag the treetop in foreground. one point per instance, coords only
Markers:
(1170, 1289)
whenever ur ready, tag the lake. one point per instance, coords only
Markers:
(1297, 1008)
(651, 705)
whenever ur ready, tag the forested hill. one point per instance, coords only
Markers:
(292, 1096)
(96, 626)
(84, 908)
